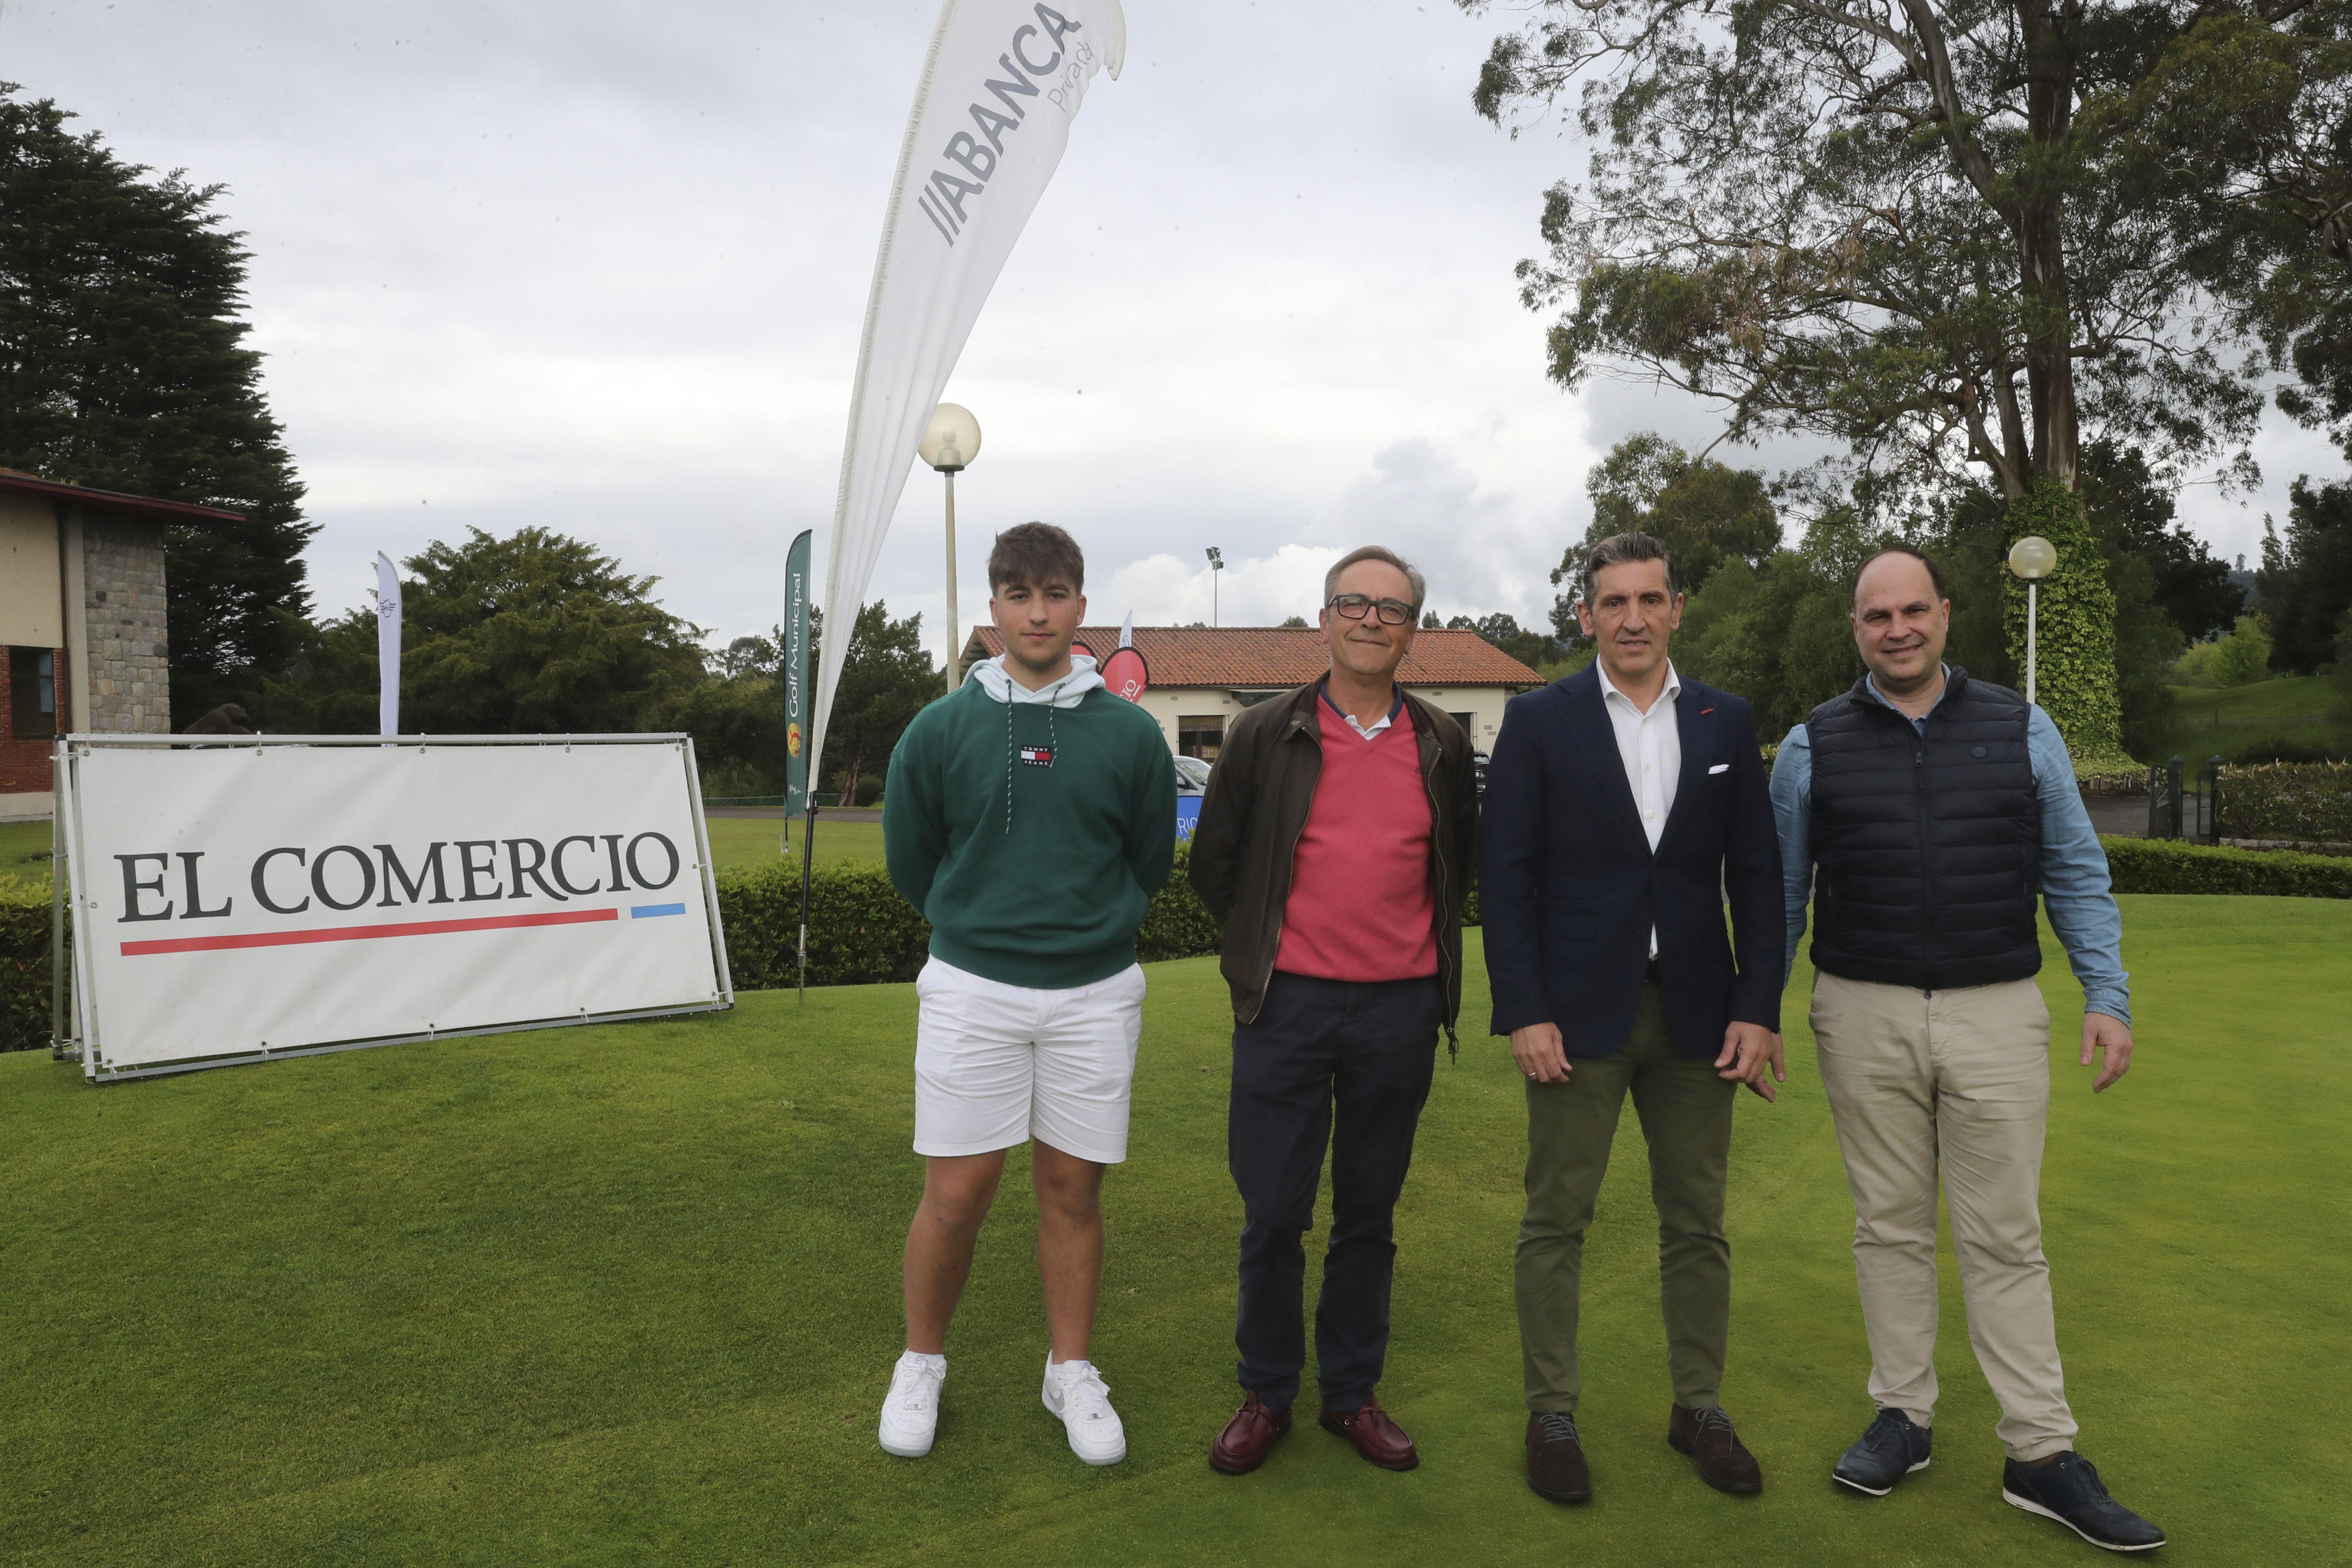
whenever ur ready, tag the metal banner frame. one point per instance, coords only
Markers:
(77, 1002)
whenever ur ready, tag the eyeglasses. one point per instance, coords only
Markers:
(1393, 611)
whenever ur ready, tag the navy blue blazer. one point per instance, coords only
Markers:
(1569, 887)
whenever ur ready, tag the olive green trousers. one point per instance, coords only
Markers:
(1686, 1111)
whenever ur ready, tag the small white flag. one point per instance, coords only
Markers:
(1127, 632)
(387, 646)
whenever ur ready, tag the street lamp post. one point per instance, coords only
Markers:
(1216, 575)
(950, 445)
(2032, 558)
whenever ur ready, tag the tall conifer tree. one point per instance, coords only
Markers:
(123, 366)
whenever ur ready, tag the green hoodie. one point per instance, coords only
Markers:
(1032, 833)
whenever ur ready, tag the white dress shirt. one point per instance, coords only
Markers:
(1651, 747)
(1378, 726)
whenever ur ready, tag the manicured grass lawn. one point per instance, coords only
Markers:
(24, 849)
(2302, 709)
(739, 843)
(630, 1295)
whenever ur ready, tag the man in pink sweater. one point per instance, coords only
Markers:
(1334, 847)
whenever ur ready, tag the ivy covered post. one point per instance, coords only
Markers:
(2076, 637)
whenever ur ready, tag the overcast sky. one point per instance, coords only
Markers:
(602, 266)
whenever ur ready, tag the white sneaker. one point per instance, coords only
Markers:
(1075, 1392)
(911, 1411)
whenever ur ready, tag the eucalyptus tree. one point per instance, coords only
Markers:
(1933, 231)
(2241, 130)
(1887, 222)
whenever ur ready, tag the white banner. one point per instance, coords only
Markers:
(1001, 84)
(242, 900)
(387, 646)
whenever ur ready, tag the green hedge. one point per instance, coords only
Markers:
(2170, 866)
(2305, 802)
(862, 932)
(24, 964)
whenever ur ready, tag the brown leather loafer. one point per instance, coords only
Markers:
(1724, 1462)
(1241, 1447)
(1376, 1438)
(1556, 1467)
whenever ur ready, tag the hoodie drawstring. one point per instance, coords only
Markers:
(1052, 749)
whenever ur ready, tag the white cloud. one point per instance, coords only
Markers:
(1254, 590)
(603, 268)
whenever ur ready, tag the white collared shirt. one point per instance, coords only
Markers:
(1651, 747)
(1373, 731)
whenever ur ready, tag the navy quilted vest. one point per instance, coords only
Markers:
(1929, 846)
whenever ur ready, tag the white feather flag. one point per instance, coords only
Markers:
(1001, 84)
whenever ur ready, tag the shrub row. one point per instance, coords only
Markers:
(861, 931)
(2104, 773)
(2305, 801)
(24, 964)
(2171, 866)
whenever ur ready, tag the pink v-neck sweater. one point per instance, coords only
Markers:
(1360, 905)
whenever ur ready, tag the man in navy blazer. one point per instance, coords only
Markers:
(1622, 804)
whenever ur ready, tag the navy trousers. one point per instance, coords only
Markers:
(1345, 1064)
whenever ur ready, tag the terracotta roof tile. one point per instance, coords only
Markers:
(1262, 657)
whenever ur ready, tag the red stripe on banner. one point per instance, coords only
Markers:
(363, 933)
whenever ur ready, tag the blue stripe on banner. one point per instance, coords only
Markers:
(646, 911)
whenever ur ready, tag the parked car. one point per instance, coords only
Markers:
(1478, 763)
(1192, 776)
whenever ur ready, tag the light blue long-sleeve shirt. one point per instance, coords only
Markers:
(2075, 888)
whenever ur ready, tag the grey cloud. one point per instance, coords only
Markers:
(602, 267)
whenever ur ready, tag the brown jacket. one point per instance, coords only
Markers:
(1256, 808)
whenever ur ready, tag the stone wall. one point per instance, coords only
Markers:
(122, 583)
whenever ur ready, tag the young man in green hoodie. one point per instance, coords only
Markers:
(1031, 817)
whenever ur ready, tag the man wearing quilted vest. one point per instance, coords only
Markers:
(1926, 811)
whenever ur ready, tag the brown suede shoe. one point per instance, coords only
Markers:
(1556, 1467)
(1241, 1447)
(1376, 1438)
(1724, 1462)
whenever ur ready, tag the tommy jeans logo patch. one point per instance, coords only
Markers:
(1037, 756)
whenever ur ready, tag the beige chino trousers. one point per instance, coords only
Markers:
(1955, 1083)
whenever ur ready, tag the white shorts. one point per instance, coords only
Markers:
(997, 1065)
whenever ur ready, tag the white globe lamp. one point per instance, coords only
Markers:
(2032, 558)
(949, 444)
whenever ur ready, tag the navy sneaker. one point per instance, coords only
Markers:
(2069, 1490)
(1893, 1447)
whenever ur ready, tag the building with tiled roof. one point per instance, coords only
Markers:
(82, 643)
(1202, 677)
